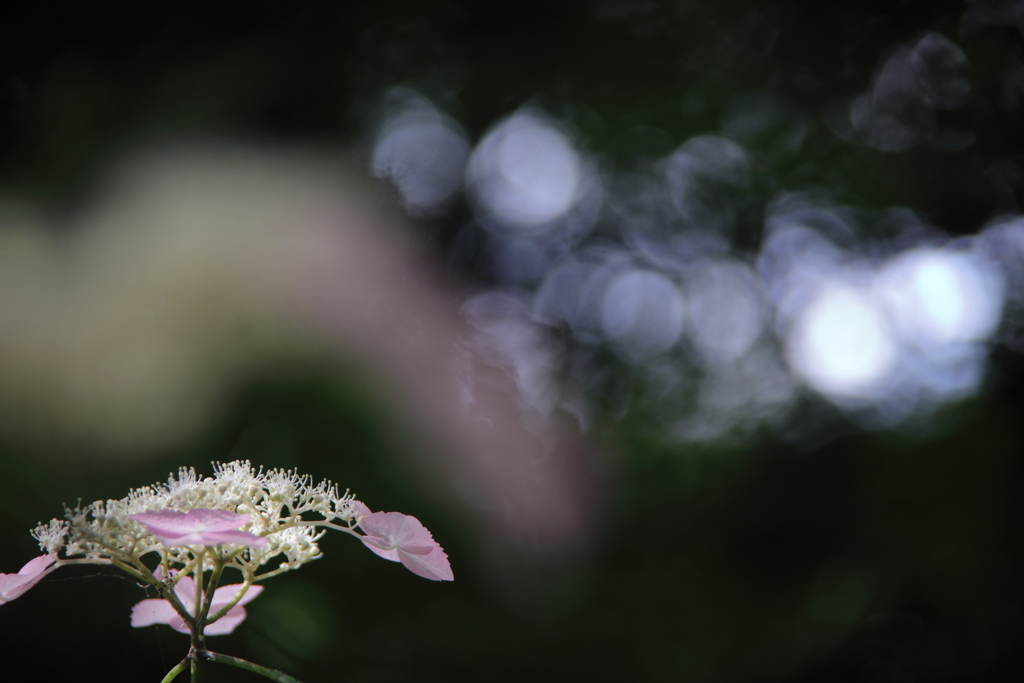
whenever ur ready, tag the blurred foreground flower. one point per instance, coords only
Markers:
(192, 271)
(14, 585)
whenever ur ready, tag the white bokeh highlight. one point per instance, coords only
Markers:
(422, 152)
(526, 173)
(938, 297)
(643, 313)
(726, 316)
(841, 343)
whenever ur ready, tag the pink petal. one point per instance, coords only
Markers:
(227, 623)
(15, 585)
(12, 586)
(37, 566)
(433, 566)
(185, 589)
(149, 612)
(226, 594)
(154, 611)
(400, 530)
(179, 625)
(177, 523)
(403, 538)
(385, 552)
(418, 549)
(383, 525)
(202, 526)
(361, 510)
(188, 539)
(217, 520)
(233, 537)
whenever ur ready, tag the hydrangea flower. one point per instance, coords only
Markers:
(285, 513)
(403, 538)
(180, 538)
(14, 585)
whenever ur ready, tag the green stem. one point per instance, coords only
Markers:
(80, 560)
(198, 582)
(196, 626)
(198, 668)
(142, 572)
(211, 587)
(234, 601)
(274, 572)
(348, 530)
(173, 673)
(168, 594)
(124, 566)
(272, 674)
(185, 571)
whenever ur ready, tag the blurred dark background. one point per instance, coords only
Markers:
(758, 512)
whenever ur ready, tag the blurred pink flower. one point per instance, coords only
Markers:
(13, 585)
(201, 526)
(157, 611)
(402, 538)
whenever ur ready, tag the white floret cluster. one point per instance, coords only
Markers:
(286, 508)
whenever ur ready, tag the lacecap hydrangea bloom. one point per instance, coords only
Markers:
(180, 538)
